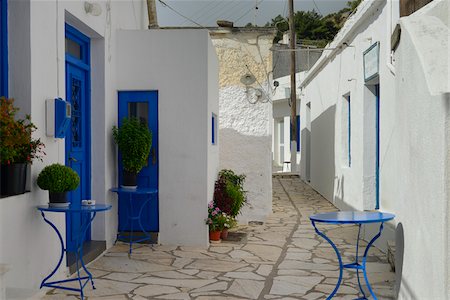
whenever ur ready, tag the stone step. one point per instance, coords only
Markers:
(285, 175)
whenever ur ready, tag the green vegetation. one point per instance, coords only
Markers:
(229, 194)
(311, 27)
(58, 179)
(134, 140)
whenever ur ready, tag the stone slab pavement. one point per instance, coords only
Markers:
(282, 258)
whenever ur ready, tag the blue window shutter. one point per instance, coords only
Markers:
(3, 48)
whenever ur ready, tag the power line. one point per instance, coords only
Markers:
(218, 10)
(315, 4)
(181, 15)
(248, 11)
(210, 10)
(199, 12)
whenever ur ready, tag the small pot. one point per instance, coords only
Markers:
(58, 197)
(224, 234)
(129, 179)
(214, 235)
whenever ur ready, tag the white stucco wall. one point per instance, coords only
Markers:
(413, 134)
(182, 66)
(245, 129)
(29, 246)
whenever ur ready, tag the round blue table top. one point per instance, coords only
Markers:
(81, 208)
(138, 191)
(352, 217)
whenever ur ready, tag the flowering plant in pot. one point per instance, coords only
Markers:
(134, 140)
(58, 180)
(214, 221)
(17, 148)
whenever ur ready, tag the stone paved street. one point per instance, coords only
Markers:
(280, 259)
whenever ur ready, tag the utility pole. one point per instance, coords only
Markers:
(293, 90)
(152, 18)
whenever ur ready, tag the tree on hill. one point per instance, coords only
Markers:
(313, 28)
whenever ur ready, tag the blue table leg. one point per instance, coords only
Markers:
(63, 249)
(78, 257)
(341, 267)
(140, 222)
(365, 259)
(131, 218)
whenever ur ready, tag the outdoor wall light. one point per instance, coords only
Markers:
(92, 8)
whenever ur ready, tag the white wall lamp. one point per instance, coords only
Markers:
(92, 8)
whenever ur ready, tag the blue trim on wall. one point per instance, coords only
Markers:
(298, 133)
(377, 167)
(213, 127)
(349, 132)
(4, 48)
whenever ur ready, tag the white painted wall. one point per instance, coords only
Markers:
(413, 134)
(29, 246)
(245, 132)
(182, 67)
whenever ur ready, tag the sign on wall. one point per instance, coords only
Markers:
(371, 61)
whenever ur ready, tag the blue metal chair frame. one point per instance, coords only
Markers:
(356, 265)
(82, 280)
(130, 218)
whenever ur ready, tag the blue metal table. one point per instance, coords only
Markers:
(356, 218)
(91, 212)
(149, 192)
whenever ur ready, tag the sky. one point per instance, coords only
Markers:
(241, 12)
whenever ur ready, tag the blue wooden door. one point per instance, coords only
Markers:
(78, 134)
(144, 106)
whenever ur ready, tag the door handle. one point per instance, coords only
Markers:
(73, 159)
(153, 156)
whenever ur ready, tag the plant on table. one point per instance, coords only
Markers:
(58, 180)
(134, 140)
(17, 148)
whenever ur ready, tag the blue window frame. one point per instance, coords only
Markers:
(214, 129)
(349, 125)
(3, 48)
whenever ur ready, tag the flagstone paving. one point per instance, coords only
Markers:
(280, 259)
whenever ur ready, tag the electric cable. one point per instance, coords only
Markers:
(248, 11)
(180, 14)
(199, 12)
(315, 4)
(211, 12)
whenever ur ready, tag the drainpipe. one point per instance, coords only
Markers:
(152, 18)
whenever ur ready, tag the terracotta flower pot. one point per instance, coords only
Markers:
(224, 234)
(214, 235)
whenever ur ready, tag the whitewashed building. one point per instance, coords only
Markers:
(244, 135)
(42, 42)
(375, 109)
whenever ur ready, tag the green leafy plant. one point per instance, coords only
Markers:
(229, 192)
(58, 179)
(16, 142)
(134, 140)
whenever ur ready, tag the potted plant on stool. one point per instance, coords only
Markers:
(134, 140)
(58, 180)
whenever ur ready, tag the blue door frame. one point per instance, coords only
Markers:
(377, 166)
(143, 105)
(78, 137)
(4, 48)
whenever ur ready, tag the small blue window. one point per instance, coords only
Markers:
(214, 129)
(349, 132)
(3, 48)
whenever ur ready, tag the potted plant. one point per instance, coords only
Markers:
(58, 180)
(229, 194)
(214, 221)
(228, 223)
(134, 140)
(17, 148)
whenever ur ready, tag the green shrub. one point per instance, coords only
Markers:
(58, 179)
(229, 194)
(134, 140)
